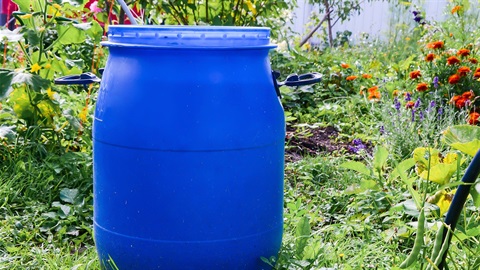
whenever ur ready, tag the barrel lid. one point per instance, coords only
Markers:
(188, 36)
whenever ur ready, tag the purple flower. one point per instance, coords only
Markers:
(357, 146)
(417, 103)
(413, 115)
(408, 96)
(432, 104)
(421, 115)
(397, 104)
(417, 17)
(382, 130)
(440, 112)
(357, 142)
(435, 82)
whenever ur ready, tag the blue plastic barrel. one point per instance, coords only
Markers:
(188, 150)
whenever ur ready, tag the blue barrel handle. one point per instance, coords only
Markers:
(84, 78)
(295, 80)
(304, 79)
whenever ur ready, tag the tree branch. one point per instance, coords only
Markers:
(307, 37)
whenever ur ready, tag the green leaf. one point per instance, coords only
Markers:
(6, 77)
(35, 81)
(21, 104)
(380, 158)
(356, 166)
(33, 38)
(303, 234)
(465, 138)
(68, 195)
(401, 168)
(95, 32)
(475, 192)
(69, 34)
(23, 5)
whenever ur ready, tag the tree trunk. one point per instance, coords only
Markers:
(329, 23)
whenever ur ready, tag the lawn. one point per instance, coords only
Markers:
(374, 153)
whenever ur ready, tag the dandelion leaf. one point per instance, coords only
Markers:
(303, 234)
(465, 138)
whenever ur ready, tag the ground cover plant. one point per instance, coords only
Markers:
(375, 152)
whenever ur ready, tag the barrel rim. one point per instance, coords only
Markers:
(188, 37)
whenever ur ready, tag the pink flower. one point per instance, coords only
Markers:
(94, 7)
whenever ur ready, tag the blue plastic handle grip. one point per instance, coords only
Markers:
(85, 78)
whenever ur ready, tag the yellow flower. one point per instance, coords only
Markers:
(26, 16)
(57, 6)
(51, 94)
(251, 7)
(36, 67)
(83, 115)
(48, 65)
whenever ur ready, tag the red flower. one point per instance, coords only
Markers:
(435, 45)
(351, 78)
(473, 118)
(409, 104)
(343, 65)
(459, 101)
(421, 87)
(473, 61)
(462, 71)
(453, 79)
(430, 57)
(366, 76)
(468, 95)
(463, 52)
(476, 75)
(452, 60)
(415, 74)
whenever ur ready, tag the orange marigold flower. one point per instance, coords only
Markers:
(476, 75)
(463, 52)
(473, 118)
(453, 79)
(455, 9)
(473, 61)
(395, 92)
(435, 45)
(415, 74)
(351, 78)
(430, 57)
(373, 89)
(462, 71)
(366, 76)
(421, 87)
(477, 70)
(468, 95)
(344, 65)
(452, 60)
(409, 104)
(374, 95)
